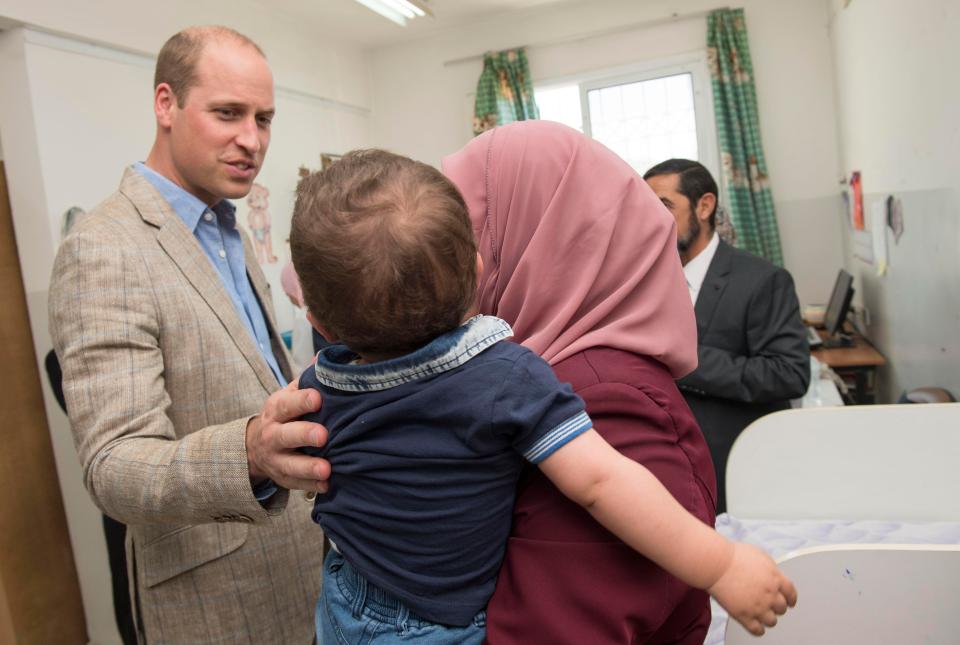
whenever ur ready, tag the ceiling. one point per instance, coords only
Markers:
(346, 20)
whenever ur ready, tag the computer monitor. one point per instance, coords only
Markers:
(839, 304)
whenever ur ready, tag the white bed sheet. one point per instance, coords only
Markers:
(780, 537)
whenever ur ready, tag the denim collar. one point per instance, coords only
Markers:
(335, 368)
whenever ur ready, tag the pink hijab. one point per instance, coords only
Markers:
(578, 252)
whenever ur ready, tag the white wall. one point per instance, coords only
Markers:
(299, 58)
(421, 107)
(74, 114)
(898, 94)
(898, 101)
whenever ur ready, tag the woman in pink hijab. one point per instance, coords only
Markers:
(580, 258)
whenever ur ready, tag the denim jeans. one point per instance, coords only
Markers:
(352, 611)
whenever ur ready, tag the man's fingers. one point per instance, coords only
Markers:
(309, 485)
(299, 434)
(300, 468)
(288, 404)
(278, 403)
(769, 619)
(322, 470)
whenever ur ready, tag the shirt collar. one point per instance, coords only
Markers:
(335, 367)
(189, 207)
(696, 269)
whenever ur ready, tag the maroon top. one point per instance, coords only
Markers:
(565, 578)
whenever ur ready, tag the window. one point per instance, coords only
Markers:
(561, 103)
(645, 116)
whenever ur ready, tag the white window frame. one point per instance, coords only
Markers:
(694, 63)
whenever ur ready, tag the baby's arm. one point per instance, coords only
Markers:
(629, 501)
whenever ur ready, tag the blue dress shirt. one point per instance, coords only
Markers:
(216, 230)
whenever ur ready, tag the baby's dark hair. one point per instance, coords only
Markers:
(385, 252)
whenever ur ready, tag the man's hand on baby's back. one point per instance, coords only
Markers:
(275, 435)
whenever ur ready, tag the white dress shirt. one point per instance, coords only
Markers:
(696, 269)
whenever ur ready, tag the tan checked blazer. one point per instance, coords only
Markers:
(160, 377)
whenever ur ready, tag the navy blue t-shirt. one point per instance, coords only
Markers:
(426, 450)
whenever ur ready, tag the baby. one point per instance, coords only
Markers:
(432, 416)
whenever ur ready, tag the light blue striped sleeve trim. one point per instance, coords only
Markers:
(558, 437)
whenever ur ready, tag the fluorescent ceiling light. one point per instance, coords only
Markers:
(402, 7)
(416, 7)
(419, 7)
(399, 11)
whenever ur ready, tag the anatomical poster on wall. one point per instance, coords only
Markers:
(258, 221)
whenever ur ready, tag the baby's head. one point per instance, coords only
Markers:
(385, 252)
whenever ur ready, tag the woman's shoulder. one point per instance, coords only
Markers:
(600, 366)
(614, 378)
(621, 390)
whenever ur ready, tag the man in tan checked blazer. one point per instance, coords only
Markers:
(164, 325)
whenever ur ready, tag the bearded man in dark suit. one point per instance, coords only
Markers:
(752, 347)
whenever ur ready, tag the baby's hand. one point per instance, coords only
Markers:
(753, 590)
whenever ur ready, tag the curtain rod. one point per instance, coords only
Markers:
(674, 17)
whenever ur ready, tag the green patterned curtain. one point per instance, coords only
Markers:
(504, 91)
(738, 126)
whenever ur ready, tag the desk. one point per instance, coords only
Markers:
(858, 363)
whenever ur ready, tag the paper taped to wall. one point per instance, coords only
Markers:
(863, 246)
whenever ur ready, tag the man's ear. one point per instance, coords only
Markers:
(706, 205)
(164, 104)
(330, 338)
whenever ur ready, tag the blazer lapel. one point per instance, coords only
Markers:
(262, 289)
(712, 289)
(185, 251)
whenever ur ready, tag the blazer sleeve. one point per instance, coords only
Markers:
(105, 328)
(776, 364)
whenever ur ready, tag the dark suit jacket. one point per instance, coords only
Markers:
(753, 350)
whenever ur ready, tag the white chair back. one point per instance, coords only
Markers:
(881, 595)
(873, 462)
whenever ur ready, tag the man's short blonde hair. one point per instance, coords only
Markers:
(177, 60)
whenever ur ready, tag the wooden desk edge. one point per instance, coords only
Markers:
(861, 354)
